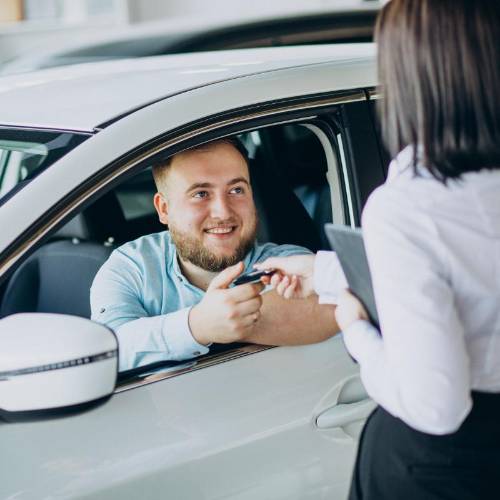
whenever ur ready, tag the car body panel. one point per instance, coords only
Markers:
(215, 433)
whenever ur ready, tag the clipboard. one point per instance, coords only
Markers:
(350, 249)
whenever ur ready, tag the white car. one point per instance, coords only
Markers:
(245, 421)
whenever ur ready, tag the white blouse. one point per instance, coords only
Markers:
(434, 255)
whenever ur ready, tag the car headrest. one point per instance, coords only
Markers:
(77, 227)
(103, 221)
(282, 217)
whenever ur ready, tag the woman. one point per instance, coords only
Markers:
(432, 236)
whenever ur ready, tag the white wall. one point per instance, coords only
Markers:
(55, 23)
(146, 10)
(28, 39)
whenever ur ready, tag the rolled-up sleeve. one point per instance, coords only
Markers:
(158, 338)
(115, 300)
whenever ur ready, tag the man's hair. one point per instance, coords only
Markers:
(161, 168)
(440, 77)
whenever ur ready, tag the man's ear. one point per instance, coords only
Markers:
(161, 206)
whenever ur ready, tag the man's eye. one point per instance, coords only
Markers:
(200, 194)
(237, 190)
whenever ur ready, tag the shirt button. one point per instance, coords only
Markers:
(196, 353)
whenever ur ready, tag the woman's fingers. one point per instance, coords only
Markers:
(285, 286)
(276, 279)
(301, 265)
(282, 285)
(290, 290)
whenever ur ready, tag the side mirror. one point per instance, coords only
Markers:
(53, 365)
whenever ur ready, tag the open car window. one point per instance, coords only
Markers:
(291, 167)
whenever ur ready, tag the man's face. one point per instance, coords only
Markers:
(207, 202)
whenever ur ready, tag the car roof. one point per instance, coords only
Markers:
(84, 97)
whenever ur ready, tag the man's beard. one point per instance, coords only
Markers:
(193, 250)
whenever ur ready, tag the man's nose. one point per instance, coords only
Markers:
(220, 207)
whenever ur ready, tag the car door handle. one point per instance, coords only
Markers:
(343, 414)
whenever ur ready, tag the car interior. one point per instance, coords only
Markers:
(288, 168)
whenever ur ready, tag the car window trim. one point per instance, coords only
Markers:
(333, 174)
(241, 123)
(148, 377)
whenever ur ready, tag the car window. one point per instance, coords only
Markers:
(289, 173)
(25, 153)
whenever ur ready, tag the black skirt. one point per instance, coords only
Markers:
(397, 462)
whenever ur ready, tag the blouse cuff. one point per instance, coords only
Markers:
(363, 340)
(329, 279)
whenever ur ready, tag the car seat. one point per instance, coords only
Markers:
(58, 276)
(55, 279)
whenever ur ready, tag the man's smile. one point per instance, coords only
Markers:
(220, 230)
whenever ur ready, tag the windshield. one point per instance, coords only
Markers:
(26, 153)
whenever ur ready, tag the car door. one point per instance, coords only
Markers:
(250, 422)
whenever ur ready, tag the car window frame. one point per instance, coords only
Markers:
(144, 375)
(301, 110)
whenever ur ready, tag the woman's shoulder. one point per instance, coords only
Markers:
(409, 197)
(405, 205)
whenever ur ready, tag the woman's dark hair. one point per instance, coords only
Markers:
(439, 70)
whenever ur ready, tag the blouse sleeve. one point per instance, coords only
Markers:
(329, 279)
(419, 369)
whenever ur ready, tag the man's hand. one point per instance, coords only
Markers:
(226, 315)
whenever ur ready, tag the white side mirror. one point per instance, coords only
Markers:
(53, 365)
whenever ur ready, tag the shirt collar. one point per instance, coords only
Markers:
(249, 260)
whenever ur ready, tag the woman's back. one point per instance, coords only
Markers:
(434, 252)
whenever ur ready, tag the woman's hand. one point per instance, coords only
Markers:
(293, 278)
(349, 309)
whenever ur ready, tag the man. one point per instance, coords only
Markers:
(168, 296)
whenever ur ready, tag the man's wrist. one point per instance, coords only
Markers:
(195, 326)
(179, 341)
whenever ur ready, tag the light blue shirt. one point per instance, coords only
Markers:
(141, 293)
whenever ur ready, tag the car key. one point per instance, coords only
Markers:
(252, 277)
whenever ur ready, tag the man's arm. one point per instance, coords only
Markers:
(293, 322)
(116, 301)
